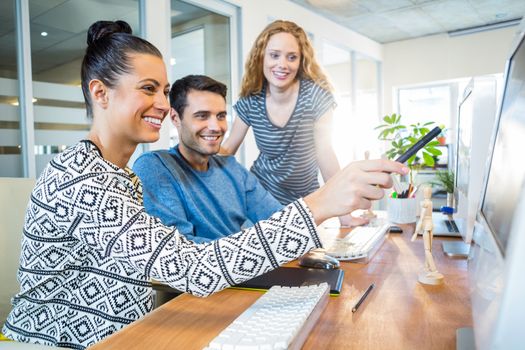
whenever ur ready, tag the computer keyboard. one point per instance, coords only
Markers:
(280, 319)
(445, 226)
(451, 226)
(360, 244)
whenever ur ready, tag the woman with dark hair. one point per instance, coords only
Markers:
(89, 248)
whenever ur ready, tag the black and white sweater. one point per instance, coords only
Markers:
(89, 250)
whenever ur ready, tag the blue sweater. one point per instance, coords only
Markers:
(203, 205)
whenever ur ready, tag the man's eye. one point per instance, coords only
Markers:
(221, 116)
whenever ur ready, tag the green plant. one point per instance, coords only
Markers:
(402, 137)
(445, 179)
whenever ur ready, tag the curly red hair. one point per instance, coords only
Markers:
(253, 78)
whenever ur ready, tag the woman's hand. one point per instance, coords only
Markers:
(237, 134)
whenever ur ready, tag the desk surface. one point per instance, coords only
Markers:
(399, 313)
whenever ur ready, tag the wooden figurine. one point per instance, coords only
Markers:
(429, 274)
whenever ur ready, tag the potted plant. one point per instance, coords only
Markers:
(402, 137)
(442, 137)
(445, 179)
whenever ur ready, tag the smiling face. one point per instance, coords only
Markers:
(138, 104)
(282, 58)
(202, 127)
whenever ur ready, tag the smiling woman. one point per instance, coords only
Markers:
(89, 249)
(287, 99)
(132, 111)
(125, 92)
(86, 193)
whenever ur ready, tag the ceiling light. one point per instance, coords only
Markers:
(478, 29)
(43, 33)
(173, 61)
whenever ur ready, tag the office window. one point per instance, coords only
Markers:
(436, 102)
(426, 103)
(355, 81)
(10, 137)
(367, 110)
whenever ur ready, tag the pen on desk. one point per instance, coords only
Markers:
(363, 297)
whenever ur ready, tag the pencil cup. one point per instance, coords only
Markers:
(401, 210)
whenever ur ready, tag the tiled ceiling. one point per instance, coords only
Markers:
(387, 21)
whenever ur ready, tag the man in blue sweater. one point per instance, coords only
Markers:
(192, 187)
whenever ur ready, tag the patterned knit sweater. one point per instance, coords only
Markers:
(89, 250)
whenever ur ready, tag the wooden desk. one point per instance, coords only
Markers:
(400, 313)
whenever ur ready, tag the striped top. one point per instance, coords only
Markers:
(287, 164)
(89, 250)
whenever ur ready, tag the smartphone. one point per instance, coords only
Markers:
(419, 144)
(396, 229)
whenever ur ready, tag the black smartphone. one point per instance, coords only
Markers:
(396, 229)
(419, 144)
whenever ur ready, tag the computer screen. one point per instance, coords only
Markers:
(496, 297)
(474, 127)
(506, 173)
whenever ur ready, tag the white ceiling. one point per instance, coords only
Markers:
(387, 21)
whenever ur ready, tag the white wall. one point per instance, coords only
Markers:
(440, 57)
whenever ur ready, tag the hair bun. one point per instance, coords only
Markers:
(101, 29)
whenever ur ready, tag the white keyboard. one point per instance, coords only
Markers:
(360, 244)
(280, 319)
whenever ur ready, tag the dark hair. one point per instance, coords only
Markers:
(108, 54)
(180, 88)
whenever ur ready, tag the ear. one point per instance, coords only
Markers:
(99, 93)
(175, 118)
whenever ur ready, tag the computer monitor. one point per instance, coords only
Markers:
(498, 251)
(474, 126)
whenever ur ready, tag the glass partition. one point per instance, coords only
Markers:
(58, 42)
(200, 44)
(10, 137)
